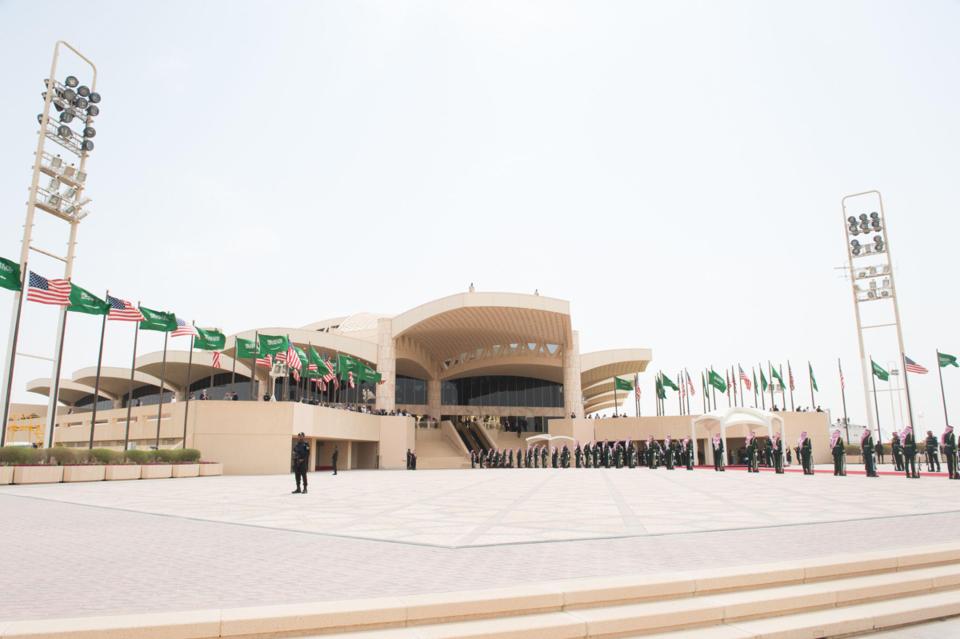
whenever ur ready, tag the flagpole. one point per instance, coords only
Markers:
(233, 373)
(163, 373)
(713, 390)
(790, 374)
(943, 397)
(133, 363)
(906, 384)
(96, 384)
(813, 403)
(614, 395)
(55, 392)
(253, 362)
(636, 398)
(186, 407)
(876, 407)
(15, 334)
(742, 403)
(703, 389)
(773, 401)
(843, 396)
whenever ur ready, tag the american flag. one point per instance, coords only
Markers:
(44, 291)
(183, 329)
(636, 390)
(123, 311)
(293, 361)
(691, 389)
(216, 359)
(350, 379)
(745, 379)
(296, 375)
(330, 376)
(790, 376)
(266, 360)
(912, 367)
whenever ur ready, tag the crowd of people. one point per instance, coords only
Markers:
(670, 453)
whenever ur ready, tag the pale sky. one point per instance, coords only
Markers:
(674, 169)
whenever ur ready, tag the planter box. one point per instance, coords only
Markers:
(37, 474)
(186, 470)
(156, 471)
(209, 470)
(6, 475)
(114, 472)
(89, 472)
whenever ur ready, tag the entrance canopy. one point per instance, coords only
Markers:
(737, 416)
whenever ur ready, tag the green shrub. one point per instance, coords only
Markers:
(140, 456)
(59, 455)
(188, 455)
(167, 455)
(106, 456)
(13, 455)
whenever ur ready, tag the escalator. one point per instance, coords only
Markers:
(465, 436)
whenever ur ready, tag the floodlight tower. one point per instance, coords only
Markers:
(871, 278)
(74, 105)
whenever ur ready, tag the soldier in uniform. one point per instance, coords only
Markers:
(578, 456)
(565, 457)
(751, 446)
(897, 447)
(333, 458)
(776, 453)
(805, 452)
(587, 455)
(651, 453)
(543, 457)
(668, 451)
(519, 457)
(909, 453)
(510, 459)
(619, 455)
(837, 449)
(879, 450)
(301, 457)
(867, 450)
(933, 459)
(473, 458)
(949, 441)
(718, 453)
(688, 452)
(413, 460)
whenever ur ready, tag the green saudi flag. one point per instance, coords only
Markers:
(945, 360)
(157, 320)
(879, 372)
(347, 364)
(322, 368)
(9, 274)
(272, 344)
(622, 384)
(666, 381)
(717, 382)
(246, 348)
(209, 339)
(776, 376)
(755, 382)
(813, 380)
(661, 393)
(763, 381)
(83, 301)
(367, 374)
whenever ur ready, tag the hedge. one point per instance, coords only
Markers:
(60, 455)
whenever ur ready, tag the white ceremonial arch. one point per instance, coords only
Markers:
(734, 416)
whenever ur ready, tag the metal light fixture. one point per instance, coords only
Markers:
(71, 81)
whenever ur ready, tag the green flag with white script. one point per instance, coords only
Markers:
(83, 301)
(9, 274)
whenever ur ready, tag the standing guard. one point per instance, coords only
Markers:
(896, 445)
(867, 450)
(776, 452)
(543, 457)
(805, 450)
(909, 453)
(688, 452)
(718, 452)
(578, 456)
(949, 441)
(933, 460)
(668, 451)
(838, 450)
(751, 445)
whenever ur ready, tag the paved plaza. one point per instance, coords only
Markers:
(120, 547)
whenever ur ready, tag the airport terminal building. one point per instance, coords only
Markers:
(471, 370)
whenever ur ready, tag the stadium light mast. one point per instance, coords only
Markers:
(75, 105)
(871, 279)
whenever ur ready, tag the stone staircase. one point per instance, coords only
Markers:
(825, 597)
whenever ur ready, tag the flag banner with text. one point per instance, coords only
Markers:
(157, 320)
(622, 384)
(9, 274)
(246, 349)
(272, 344)
(209, 339)
(83, 301)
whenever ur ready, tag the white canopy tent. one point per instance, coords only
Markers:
(548, 439)
(735, 416)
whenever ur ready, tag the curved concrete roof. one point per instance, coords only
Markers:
(463, 322)
(175, 373)
(600, 365)
(113, 379)
(70, 391)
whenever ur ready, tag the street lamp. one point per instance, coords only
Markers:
(67, 119)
